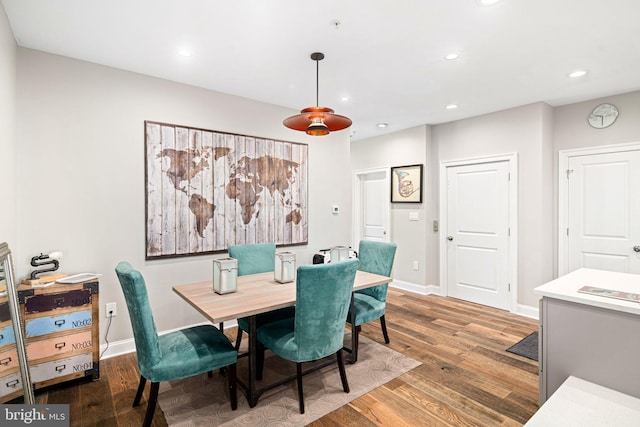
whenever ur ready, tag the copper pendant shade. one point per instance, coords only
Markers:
(317, 121)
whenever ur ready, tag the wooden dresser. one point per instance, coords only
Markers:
(10, 380)
(61, 326)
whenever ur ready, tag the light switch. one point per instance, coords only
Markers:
(414, 216)
(435, 225)
(335, 209)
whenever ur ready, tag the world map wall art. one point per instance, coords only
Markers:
(207, 190)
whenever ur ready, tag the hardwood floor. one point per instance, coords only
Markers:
(466, 377)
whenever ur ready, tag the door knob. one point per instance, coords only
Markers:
(636, 248)
(449, 238)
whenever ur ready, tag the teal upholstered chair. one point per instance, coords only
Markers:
(175, 355)
(370, 304)
(253, 259)
(323, 295)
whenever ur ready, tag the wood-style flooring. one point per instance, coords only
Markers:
(466, 378)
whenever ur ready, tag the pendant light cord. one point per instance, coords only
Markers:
(317, 82)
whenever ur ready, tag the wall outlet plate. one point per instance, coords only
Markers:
(110, 310)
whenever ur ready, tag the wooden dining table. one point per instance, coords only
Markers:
(255, 294)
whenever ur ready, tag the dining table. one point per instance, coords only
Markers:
(255, 294)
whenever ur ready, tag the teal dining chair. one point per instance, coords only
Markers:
(323, 295)
(256, 258)
(370, 304)
(174, 355)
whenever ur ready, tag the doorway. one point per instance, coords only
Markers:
(478, 243)
(371, 205)
(599, 207)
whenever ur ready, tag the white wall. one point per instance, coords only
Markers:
(81, 177)
(7, 133)
(415, 239)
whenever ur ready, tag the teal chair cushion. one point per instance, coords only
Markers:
(253, 259)
(367, 308)
(377, 258)
(174, 355)
(323, 296)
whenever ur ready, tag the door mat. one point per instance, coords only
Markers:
(526, 347)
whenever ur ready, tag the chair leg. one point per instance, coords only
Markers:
(136, 400)
(355, 331)
(343, 374)
(383, 323)
(238, 339)
(151, 406)
(233, 391)
(300, 395)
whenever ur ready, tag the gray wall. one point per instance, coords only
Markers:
(526, 131)
(536, 132)
(7, 132)
(80, 151)
(418, 242)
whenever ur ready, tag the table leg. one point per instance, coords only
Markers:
(252, 396)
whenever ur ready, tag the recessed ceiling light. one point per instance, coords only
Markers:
(488, 2)
(577, 73)
(344, 99)
(451, 106)
(451, 56)
(184, 52)
(382, 125)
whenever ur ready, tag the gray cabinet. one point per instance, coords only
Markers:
(591, 337)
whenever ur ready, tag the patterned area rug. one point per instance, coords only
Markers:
(203, 401)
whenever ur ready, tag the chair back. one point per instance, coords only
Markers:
(254, 258)
(144, 328)
(323, 296)
(376, 258)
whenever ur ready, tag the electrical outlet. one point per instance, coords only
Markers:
(110, 309)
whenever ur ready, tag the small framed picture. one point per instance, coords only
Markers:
(406, 184)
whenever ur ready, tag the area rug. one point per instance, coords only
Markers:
(203, 401)
(526, 347)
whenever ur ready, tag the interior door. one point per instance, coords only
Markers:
(478, 233)
(603, 226)
(372, 206)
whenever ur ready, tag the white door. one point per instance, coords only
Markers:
(477, 235)
(603, 211)
(372, 206)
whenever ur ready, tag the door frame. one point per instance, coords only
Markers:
(512, 159)
(356, 197)
(563, 192)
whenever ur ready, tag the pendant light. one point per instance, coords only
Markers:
(317, 121)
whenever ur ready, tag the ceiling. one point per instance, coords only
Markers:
(386, 56)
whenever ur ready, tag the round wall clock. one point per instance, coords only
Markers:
(603, 116)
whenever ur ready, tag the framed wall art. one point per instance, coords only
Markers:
(207, 190)
(406, 184)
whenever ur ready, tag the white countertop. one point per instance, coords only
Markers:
(566, 288)
(579, 403)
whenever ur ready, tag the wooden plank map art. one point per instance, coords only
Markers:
(207, 190)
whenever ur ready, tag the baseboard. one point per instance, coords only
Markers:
(528, 311)
(118, 348)
(415, 288)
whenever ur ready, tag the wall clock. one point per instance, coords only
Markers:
(603, 116)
